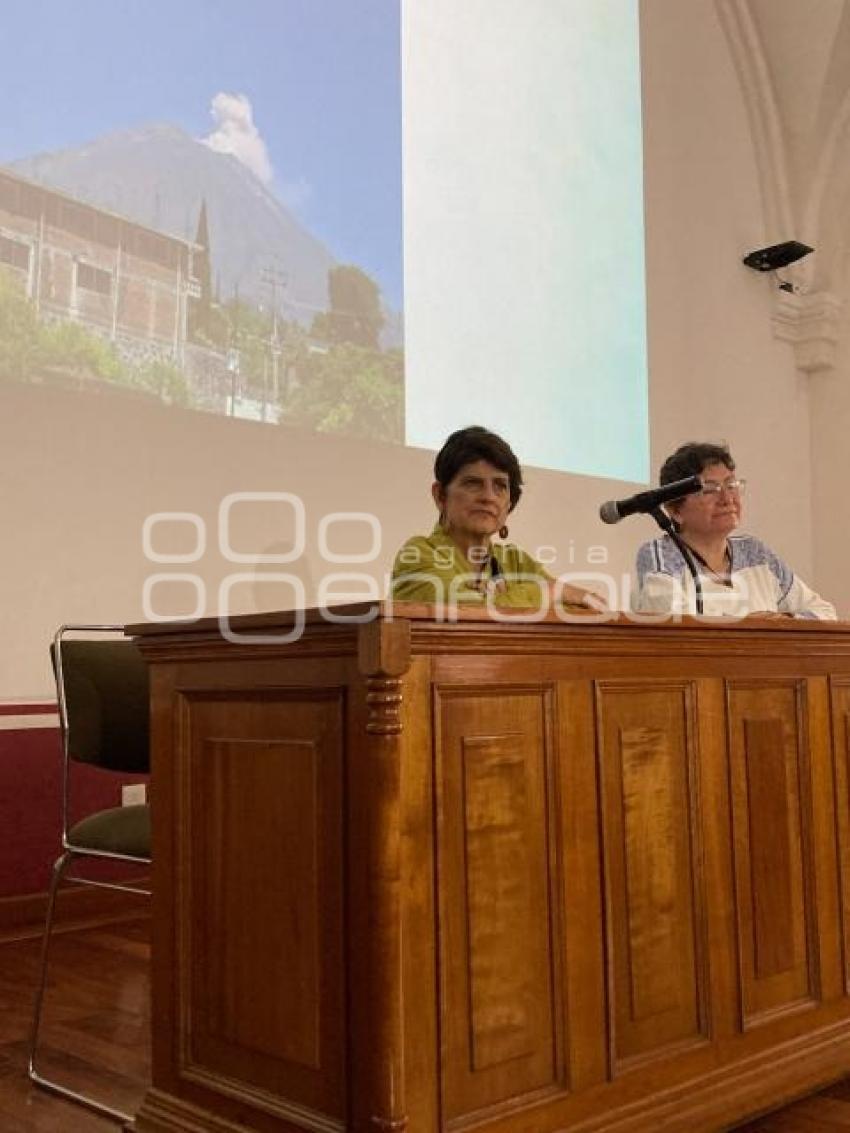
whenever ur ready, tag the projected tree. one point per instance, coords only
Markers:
(355, 315)
(343, 381)
(349, 389)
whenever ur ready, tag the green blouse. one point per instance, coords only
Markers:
(432, 568)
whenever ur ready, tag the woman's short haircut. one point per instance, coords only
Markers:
(691, 459)
(476, 443)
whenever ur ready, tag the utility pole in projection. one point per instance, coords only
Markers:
(274, 278)
(233, 352)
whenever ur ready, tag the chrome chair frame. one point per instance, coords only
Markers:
(70, 852)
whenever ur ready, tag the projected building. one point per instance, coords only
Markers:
(130, 284)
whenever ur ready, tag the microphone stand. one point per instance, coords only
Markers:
(669, 527)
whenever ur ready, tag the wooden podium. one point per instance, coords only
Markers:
(519, 877)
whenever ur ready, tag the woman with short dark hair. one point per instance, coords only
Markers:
(477, 484)
(738, 574)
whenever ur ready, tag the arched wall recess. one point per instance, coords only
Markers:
(810, 206)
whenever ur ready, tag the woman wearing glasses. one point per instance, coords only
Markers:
(739, 575)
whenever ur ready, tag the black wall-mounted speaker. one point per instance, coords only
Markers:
(777, 255)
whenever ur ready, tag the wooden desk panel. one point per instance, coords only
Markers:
(261, 849)
(652, 854)
(497, 821)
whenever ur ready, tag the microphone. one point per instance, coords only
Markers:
(615, 510)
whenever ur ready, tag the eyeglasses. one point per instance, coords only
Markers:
(715, 487)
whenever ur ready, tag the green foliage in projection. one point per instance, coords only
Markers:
(165, 380)
(31, 350)
(349, 389)
(19, 330)
(336, 379)
(71, 347)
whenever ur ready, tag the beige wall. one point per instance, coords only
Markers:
(830, 397)
(717, 372)
(82, 474)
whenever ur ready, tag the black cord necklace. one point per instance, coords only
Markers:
(667, 524)
(724, 577)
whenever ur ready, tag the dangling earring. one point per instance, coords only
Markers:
(503, 531)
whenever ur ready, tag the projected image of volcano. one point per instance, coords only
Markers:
(182, 263)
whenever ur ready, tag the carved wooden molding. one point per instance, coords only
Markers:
(392, 1124)
(259, 1101)
(708, 1101)
(383, 651)
(383, 700)
(739, 639)
(167, 1113)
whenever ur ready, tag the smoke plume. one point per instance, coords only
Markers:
(236, 134)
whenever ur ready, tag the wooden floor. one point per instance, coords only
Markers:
(826, 1112)
(95, 1031)
(96, 1034)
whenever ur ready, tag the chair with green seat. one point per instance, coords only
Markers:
(103, 694)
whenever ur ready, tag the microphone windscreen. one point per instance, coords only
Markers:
(608, 513)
